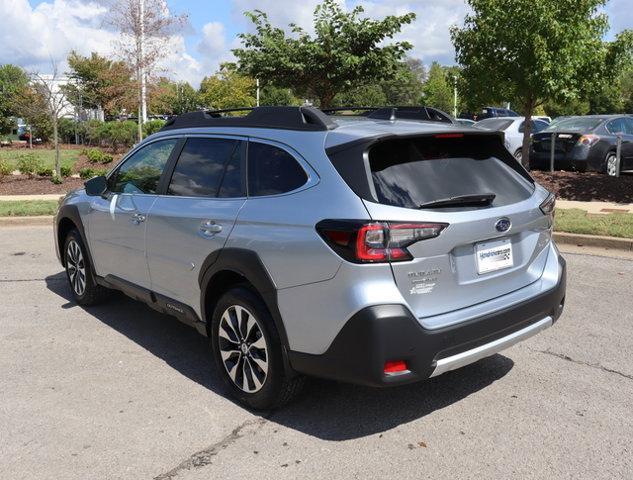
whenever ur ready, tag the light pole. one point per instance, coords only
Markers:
(455, 96)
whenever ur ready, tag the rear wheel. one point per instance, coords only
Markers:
(79, 272)
(611, 164)
(247, 351)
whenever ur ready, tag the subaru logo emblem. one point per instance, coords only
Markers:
(503, 225)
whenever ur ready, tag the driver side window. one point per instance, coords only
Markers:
(141, 172)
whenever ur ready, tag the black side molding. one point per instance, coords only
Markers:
(158, 302)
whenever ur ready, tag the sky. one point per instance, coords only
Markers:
(34, 33)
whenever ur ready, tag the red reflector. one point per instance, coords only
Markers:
(396, 366)
(449, 135)
(339, 237)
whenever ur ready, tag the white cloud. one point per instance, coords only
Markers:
(33, 37)
(429, 33)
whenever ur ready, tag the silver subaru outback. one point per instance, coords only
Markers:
(377, 249)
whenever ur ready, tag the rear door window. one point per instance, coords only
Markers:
(272, 171)
(411, 172)
(208, 167)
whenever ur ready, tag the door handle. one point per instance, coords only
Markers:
(210, 228)
(138, 218)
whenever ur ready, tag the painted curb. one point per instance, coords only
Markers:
(611, 243)
(40, 220)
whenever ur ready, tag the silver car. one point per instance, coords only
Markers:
(370, 250)
(513, 128)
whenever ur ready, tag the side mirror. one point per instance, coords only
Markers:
(96, 186)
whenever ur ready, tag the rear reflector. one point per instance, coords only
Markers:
(397, 366)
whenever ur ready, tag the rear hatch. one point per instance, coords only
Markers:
(496, 235)
(564, 143)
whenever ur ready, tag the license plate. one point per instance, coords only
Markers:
(493, 255)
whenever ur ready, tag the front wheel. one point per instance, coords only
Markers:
(247, 351)
(611, 164)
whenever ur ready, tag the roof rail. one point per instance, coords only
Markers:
(398, 113)
(288, 118)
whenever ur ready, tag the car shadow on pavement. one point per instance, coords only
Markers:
(327, 410)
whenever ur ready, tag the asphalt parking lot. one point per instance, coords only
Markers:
(119, 391)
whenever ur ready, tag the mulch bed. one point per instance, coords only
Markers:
(586, 187)
(23, 185)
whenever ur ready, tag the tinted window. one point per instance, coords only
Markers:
(629, 125)
(201, 167)
(619, 125)
(539, 125)
(494, 124)
(141, 172)
(409, 173)
(574, 124)
(272, 171)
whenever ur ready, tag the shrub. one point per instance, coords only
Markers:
(152, 127)
(97, 156)
(56, 180)
(65, 171)
(28, 164)
(86, 173)
(5, 169)
(44, 171)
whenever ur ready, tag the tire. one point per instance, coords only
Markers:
(247, 351)
(519, 155)
(610, 164)
(80, 273)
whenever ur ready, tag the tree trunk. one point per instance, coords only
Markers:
(326, 99)
(58, 173)
(527, 132)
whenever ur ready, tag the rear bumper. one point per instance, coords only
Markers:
(382, 333)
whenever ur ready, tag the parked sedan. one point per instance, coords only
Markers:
(513, 127)
(585, 143)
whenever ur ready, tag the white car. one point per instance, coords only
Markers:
(513, 129)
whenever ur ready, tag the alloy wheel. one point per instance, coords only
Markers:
(76, 267)
(612, 165)
(243, 349)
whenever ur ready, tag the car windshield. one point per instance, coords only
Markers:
(494, 124)
(574, 124)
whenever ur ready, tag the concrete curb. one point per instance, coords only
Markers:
(39, 220)
(580, 240)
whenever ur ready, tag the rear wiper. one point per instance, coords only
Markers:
(474, 200)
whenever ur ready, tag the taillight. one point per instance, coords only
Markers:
(374, 242)
(588, 140)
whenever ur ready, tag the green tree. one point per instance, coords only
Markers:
(361, 96)
(272, 95)
(173, 98)
(438, 91)
(13, 81)
(346, 50)
(406, 86)
(227, 89)
(546, 50)
(99, 82)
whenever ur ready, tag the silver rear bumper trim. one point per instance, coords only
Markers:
(469, 356)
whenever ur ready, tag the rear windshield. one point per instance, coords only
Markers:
(411, 172)
(574, 124)
(494, 124)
